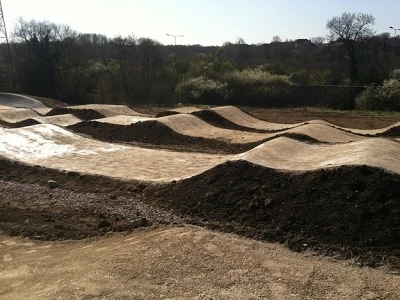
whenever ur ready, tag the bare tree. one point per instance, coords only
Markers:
(276, 39)
(317, 40)
(350, 29)
(43, 48)
(240, 41)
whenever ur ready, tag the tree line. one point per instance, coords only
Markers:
(53, 60)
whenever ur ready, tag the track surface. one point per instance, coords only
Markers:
(15, 100)
(348, 212)
(53, 147)
(192, 264)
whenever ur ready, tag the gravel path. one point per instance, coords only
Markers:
(49, 211)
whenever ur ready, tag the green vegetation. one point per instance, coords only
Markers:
(202, 89)
(383, 97)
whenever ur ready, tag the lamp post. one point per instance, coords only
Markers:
(391, 68)
(175, 36)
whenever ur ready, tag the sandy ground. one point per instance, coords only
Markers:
(370, 131)
(42, 111)
(14, 115)
(239, 117)
(183, 262)
(287, 154)
(53, 147)
(192, 263)
(193, 126)
(185, 109)
(17, 114)
(124, 119)
(61, 120)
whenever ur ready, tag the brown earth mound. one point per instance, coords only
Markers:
(166, 113)
(23, 123)
(156, 134)
(391, 132)
(83, 114)
(217, 120)
(153, 133)
(349, 211)
(361, 220)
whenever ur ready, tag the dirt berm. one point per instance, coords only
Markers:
(83, 114)
(156, 134)
(348, 212)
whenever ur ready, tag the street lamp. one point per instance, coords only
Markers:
(175, 36)
(391, 68)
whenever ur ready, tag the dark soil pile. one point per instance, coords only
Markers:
(158, 135)
(391, 132)
(23, 123)
(351, 211)
(348, 212)
(166, 113)
(217, 120)
(83, 114)
(153, 133)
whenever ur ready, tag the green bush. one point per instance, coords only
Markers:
(202, 90)
(258, 87)
(384, 97)
(256, 78)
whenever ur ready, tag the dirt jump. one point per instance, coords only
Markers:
(16, 100)
(190, 125)
(177, 207)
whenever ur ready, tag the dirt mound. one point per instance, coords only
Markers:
(110, 110)
(83, 114)
(17, 114)
(282, 153)
(359, 220)
(16, 100)
(217, 120)
(305, 211)
(242, 118)
(153, 133)
(391, 132)
(23, 123)
(166, 113)
(156, 134)
(60, 120)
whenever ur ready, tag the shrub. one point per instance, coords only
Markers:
(256, 78)
(202, 90)
(384, 97)
(258, 87)
(396, 74)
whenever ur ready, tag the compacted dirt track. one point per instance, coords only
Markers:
(191, 126)
(51, 146)
(179, 263)
(344, 206)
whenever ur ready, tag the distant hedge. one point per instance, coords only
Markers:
(383, 97)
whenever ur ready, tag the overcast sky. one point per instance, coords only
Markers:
(205, 22)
